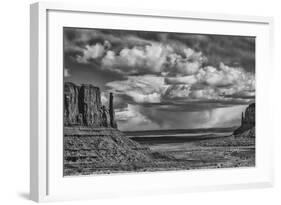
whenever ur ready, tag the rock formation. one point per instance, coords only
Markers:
(111, 112)
(248, 122)
(83, 107)
(92, 142)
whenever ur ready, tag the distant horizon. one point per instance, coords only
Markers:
(207, 128)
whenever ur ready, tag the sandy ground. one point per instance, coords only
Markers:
(223, 152)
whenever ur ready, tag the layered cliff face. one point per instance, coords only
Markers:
(248, 122)
(83, 107)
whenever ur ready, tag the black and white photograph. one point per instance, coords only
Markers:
(146, 101)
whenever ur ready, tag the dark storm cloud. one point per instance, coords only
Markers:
(77, 39)
(231, 50)
(242, 96)
(193, 106)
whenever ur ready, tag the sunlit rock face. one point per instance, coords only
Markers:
(83, 107)
(90, 105)
(71, 111)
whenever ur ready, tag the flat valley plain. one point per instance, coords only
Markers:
(197, 148)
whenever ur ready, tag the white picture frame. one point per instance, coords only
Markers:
(46, 179)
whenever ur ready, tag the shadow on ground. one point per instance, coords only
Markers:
(24, 195)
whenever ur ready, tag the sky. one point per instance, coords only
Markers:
(164, 80)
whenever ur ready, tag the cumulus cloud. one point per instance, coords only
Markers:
(222, 85)
(216, 83)
(218, 77)
(139, 59)
(141, 89)
(92, 52)
(225, 76)
(152, 57)
(156, 58)
(180, 70)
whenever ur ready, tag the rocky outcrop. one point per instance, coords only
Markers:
(248, 122)
(101, 150)
(83, 107)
